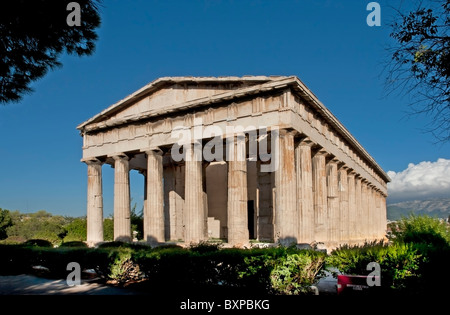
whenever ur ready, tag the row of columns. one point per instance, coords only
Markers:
(317, 198)
(194, 208)
(320, 199)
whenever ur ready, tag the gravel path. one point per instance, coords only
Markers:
(32, 285)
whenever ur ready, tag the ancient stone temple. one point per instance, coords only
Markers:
(233, 158)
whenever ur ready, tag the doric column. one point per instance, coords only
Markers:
(359, 226)
(383, 215)
(194, 209)
(154, 211)
(122, 223)
(237, 220)
(332, 223)
(352, 207)
(365, 210)
(305, 197)
(379, 230)
(320, 195)
(372, 214)
(344, 197)
(286, 216)
(94, 202)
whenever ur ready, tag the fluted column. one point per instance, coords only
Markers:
(359, 226)
(194, 209)
(365, 210)
(286, 215)
(237, 219)
(320, 195)
(372, 214)
(94, 202)
(352, 207)
(344, 197)
(154, 211)
(122, 223)
(383, 215)
(379, 231)
(305, 197)
(332, 223)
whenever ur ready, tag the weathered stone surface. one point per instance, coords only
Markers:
(122, 223)
(94, 202)
(194, 216)
(320, 195)
(286, 213)
(154, 211)
(237, 195)
(305, 191)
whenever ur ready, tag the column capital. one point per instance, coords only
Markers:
(351, 172)
(92, 161)
(334, 160)
(306, 142)
(153, 150)
(344, 167)
(321, 151)
(288, 131)
(119, 156)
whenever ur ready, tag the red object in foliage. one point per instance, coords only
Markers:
(354, 285)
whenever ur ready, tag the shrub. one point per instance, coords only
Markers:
(399, 263)
(76, 230)
(108, 229)
(295, 273)
(209, 270)
(430, 237)
(14, 240)
(422, 229)
(205, 246)
(123, 269)
(73, 244)
(38, 242)
(120, 244)
(5, 222)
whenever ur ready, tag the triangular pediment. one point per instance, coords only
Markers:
(170, 92)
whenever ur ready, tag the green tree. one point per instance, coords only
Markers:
(39, 225)
(108, 229)
(420, 62)
(33, 35)
(76, 230)
(5, 222)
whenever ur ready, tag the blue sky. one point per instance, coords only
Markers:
(327, 44)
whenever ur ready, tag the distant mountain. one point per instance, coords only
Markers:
(434, 207)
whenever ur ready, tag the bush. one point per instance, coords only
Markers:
(5, 222)
(431, 239)
(76, 230)
(205, 246)
(38, 242)
(295, 273)
(120, 244)
(399, 263)
(123, 269)
(180, 270)
(108, 229)
(421, 229)
(73, 244)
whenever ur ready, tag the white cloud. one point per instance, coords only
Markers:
(421, 181)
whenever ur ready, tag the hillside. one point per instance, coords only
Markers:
(435, 207)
